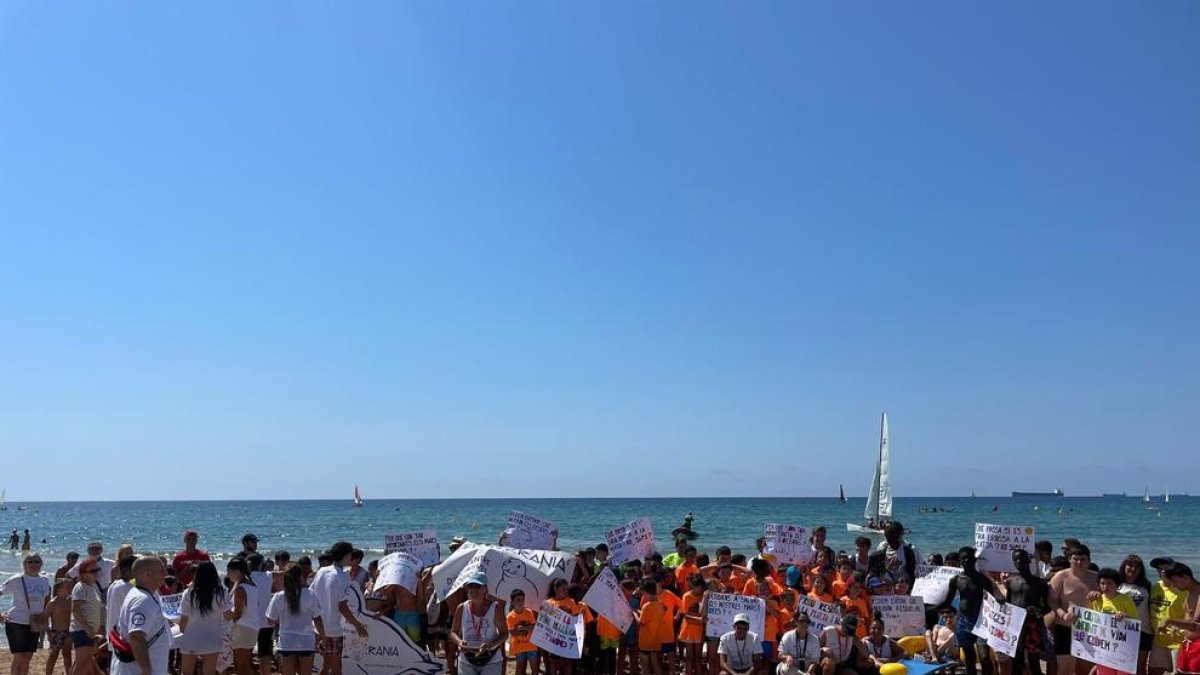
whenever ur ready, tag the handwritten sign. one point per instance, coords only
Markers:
(1105, 640)
(1000, 625)
(630, 541)
(170, 606)
(558, 632)
(820, 614)
(399, 569)
(902, 614)
(606, 597)
(422, 544)
(788, 543)
(933, 583)
(526, 531)
(994, 545)
(722, 607)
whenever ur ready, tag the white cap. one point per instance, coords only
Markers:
(741, 618)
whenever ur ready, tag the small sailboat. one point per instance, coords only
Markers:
(1166, 495)
(4, 499)
(1146, 500)
(879, 499)
(358, 502)
(841, 494)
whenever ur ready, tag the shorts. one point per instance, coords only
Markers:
(410, 622)
(1145, 642)
(526, 656)
(242, 637)
(609, 643)
(302, 654)
(57, 639)
(333, 646)
(667, 648)
(963, 626)
(768, 651)
(1062, 640)
(80, 638)
(1161, 657)
(266, 641)
(21, 640)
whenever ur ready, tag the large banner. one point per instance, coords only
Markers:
(1000, 625)
(526, 531)
(422, 544)
(722, 607)
(558, 632)
(902, 614)
(1105, 640)
(820, 614)
(994, 545)
(607, 599)
(631, 541)
(387, 649)
(788, 543)
(506, 569)
(399, 569)
(933, 583)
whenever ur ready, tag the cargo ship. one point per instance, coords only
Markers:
(1056, 493)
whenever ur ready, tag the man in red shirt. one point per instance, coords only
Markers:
(184, 561)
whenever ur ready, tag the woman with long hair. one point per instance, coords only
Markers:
(1136, 586)
(560, 596)
(244, 615)
(202, 619)
(124, 551)
(297, 612)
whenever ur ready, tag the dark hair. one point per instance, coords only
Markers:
(689, 550)
(1180, 570)
(724, 550)
(293, 584)
(1110, 574)
(340, 550)
(696, 580)
(760, 567)
(1059, 562)
(894, 528)
(739, 559)
(1080, 550)
(206, 587)
(1043, 546)
(702, 560)
(649, 587)
(1141, 579)
(555, 583)
(602, 547)
(819, 528)
(255, 562)
(304, 560)
(936, 559)
(125, 565)
(357, 554)
(859, 541)
(239, 565)
(575, 592)
(655, 557)
(282, 557)
(966, 552)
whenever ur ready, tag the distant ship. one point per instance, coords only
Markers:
(1113, 494)
(1056, 493)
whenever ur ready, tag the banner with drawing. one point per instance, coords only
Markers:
(902, 614)
(387, 649)
(606, 598)
(788, 543)
(722, 607)
(506, 569)
(994, 545)
(631, 541)
(933, 583)
(1000, 625)
(399, 569)
(820, 614)
(422, 544)
(558, 632)
(526, 531)
(170, 606)
(1105, 640)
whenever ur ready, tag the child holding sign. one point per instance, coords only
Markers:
(521, 621)
(1112, 602)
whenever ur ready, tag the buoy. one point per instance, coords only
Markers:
(893, 669)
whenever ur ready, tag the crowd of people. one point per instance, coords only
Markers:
(275, 614)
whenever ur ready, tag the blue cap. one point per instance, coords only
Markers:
(793, 575)
(477, 578)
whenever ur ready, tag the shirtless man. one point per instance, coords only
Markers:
(1071, 587)
(970, 585)
(1029, 591)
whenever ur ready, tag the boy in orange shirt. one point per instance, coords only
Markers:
(857, 599)
(649, 625)
(521, 621)
(845, 575)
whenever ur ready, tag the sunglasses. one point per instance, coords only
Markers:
(33, 562)
(473, 585)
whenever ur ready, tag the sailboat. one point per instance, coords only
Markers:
(841, 494)
(357, 497)
(1146, 500)
(4, 499)
(1166, 495)
(879, 499)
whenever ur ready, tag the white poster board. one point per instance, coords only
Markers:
(933, 583)
(387, 649)
(506, 569)
(788, 543)
(994, 545)
(422, 544)
(606, 598)
(1000, 625)
(722, 607)
(529, 531)
(820, 614)
(399, 569)
(1105, 640)
(632, 541)
(170, 606)
(902, 614)
(558, 632)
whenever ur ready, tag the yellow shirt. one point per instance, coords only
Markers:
(1118, 604)
(1167, 603)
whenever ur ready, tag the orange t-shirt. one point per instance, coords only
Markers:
(692, 630)
(751, 587)
(674, 607)
(771, 622)
(650, 625)
(863, 603)
(519, 644)
(683, 573)
(574, 608)
(606, 629)
(823, 598)
(838, 588)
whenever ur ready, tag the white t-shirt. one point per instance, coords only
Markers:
(205, 631)
(114, 598)
(296, 633)
(142, 613)
(838, 645)
(251, 614)
(1141, 600)
(807, 648)
(93, 607)
(262, 580)
(740, 652)
(331, 585)
(39, 592)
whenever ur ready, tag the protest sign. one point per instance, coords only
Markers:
(630, 541)
(423, 544)
(170, 606)
(788, 543)
(387, 649)
(506, 569)
(526, 531)
(606, 598)
(820, 614)
(558, 632)
(399, 569)
(722, 607)
(994, 545)
(933, 583)
(902, 614)
(1000, 625)
(1105, 640)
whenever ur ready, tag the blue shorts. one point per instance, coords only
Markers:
(667, 648)
(410, 623)
(962, 631)
(80, 638)
(768, 650)
(526, 656)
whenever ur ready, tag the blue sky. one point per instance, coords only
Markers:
(557, 249)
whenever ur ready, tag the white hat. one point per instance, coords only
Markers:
(741, 618)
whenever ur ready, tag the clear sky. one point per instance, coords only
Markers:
(597, 249)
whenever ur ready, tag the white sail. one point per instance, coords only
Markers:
(885, 471)
(357, 498)
(1146, 497)
(871, 513)
(1167, 495)
(3, 499)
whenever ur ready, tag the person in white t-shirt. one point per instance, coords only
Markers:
(244, 615)
(740, 650)
(297, 612)
(141, 622)
(331, 585)
(30, 593)
(202, 619)
(114, 597)
(799, 649)
(95, 551)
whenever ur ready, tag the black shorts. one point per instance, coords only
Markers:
(1145, 642)
(1062, 640)
(21, 640)
(301, 654)
(266, 641)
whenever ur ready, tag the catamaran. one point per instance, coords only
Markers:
(879, 499)
(357, 497)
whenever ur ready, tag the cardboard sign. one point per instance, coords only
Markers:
(631, 541)
(506, 569)
(422, 544)
(902, 614)
(526, 531)
(170, 606)
(1105, 640)
(606, 598)
(820, 614)
(933, 583)
(994, 545)
(788, 543)
(722, 607)
(1000, 625)
(558, 632)
(399, 569)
